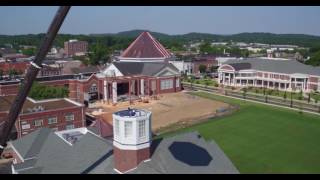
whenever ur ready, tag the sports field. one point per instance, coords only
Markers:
(265, 139)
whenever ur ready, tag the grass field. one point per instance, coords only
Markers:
(207, 82)
(264, 139)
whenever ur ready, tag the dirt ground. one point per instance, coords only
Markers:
(168, 109)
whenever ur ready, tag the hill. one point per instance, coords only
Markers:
(125, 37)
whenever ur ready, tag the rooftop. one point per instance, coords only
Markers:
(145, 46)
(279, 66)
(32, 105)
(131, 113)
(145, 68)
(94, 155)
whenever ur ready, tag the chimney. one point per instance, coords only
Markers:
(132, 138)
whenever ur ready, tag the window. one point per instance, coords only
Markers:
(166, 84)
(71, 126)
(178, 82)
(93, 88)
(142, 128)
(69, 117)
(38, 122)
(52, 120)
(127, 129)
(117, 128)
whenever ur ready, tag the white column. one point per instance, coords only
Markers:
(105, 90)
(142, 87)
(268, 84)
(114, 92)
(223, 77)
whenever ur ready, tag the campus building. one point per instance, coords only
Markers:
(142, 70)
(75, 47)
(286, 75)
(58, 114)
(132, 151)
(146, 48)
(192, 66)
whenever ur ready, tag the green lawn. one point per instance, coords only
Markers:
(208, 82)
(264, 139)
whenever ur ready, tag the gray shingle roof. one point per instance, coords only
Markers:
(143, 68)
(56, 156)
(279, 66)
(163, 161)
(94, 155)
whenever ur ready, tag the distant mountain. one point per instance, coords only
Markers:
(257, 37)
(126, 37)
(133, 34)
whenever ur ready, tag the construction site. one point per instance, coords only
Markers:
(167, 109)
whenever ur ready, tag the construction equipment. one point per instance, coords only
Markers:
(31, 75)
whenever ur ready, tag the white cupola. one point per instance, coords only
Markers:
(131, 138)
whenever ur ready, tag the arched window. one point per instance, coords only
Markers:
(93, 88)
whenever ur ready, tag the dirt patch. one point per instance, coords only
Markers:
(170, 109)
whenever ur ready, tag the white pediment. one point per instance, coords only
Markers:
(167, 72)
(112, 71)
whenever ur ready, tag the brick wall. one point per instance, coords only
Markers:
(78, 121)
(125, 160)
(313, 79)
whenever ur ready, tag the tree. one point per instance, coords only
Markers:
(202, 68)
(29, 51)
(39, 91)
(99, 54)
(316, 99)
(12, 73)
(314, 60)
(244, 90)
(285, 95)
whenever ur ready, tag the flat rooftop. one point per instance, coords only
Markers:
(131, 113)
(42, 105)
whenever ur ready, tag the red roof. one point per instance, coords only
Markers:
(146, 46)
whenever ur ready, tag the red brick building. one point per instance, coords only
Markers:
(204, 60)
(72, 47)
(59, 114)
(128, 79)
(17, 66)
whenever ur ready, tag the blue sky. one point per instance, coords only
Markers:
(170, 20)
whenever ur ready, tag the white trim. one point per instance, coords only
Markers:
(74, 102)
(131, 147)
(125, 171)
(17, 152)
(13, 170)
(35, 65)
(169, 70)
